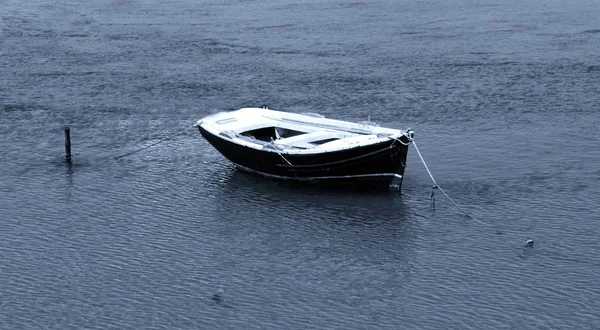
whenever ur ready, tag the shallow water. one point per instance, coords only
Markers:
(503, 98)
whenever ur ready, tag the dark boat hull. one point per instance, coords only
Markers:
(373, 166)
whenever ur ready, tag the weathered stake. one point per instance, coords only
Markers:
(68, 144)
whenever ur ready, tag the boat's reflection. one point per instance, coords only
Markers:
(379, 222)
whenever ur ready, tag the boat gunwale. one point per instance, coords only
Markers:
(375, 138)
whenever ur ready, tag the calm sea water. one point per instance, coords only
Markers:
(503, 96)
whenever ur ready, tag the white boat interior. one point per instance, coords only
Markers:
(262, 128)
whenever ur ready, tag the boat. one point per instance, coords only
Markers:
(307, 147)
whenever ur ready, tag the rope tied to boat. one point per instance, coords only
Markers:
(436, 186)
(272, 144)
(158, 142)
(400, 141)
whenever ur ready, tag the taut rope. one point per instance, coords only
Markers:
(440, 188)
(153, 144)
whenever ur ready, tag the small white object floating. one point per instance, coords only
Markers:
(529, 243)
(309, 147)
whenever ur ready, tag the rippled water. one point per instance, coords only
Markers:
(503, 97)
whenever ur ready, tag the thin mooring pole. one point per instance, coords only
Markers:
(68, 143)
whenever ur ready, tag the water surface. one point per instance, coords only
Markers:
(503, 97)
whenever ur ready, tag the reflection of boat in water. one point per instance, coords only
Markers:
(241, 195)
(309, 147)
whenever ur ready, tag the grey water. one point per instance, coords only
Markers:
(503, 96)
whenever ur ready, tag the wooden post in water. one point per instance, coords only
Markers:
(68, 144)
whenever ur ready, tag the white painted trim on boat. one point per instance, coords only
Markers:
(255, 116)
(314, 178)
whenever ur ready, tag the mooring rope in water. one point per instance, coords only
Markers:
(158, 142)
(440, 188)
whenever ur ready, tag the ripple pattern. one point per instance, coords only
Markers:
(503, 98)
